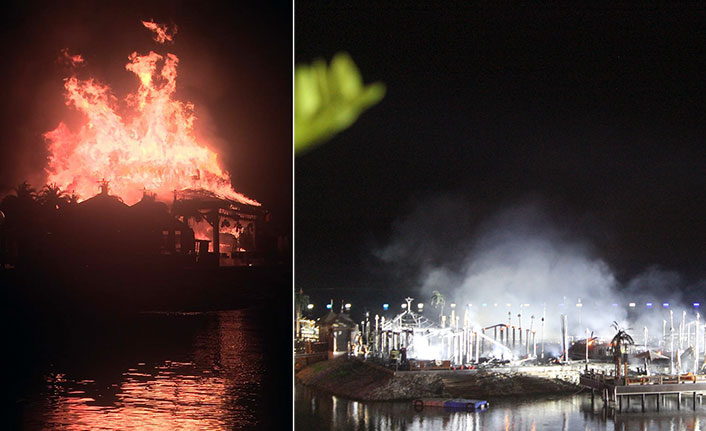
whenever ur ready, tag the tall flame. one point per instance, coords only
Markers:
(147, 144)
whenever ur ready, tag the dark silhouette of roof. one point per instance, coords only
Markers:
(333, 319)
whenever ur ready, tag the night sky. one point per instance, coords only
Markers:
(235, 62)
(596, 114)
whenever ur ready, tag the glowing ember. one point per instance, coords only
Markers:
(147, 142)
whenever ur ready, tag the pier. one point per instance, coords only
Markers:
(622, 390)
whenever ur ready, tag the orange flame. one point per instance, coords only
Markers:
(161, 31)
(73, 60)
(145, 142)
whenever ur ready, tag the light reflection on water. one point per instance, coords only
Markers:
(315, 410)
(205, 374)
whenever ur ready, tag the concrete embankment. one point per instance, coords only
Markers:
(357, 380)
(360, 380)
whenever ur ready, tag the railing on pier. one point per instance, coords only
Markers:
(665, 380)
(612, 389)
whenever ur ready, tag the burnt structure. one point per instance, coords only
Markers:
(105, 231)
(227, 232)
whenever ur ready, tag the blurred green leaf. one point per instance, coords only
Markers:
(329, 99)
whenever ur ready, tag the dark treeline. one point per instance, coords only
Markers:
(49, 228)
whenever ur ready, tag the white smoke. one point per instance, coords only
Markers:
(520, 264)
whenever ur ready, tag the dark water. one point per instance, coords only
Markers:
(150, 371)
(319, 411)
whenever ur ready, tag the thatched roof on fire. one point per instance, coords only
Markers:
(192, 200)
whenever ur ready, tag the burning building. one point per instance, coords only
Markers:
(144, 141)
(238, 226)
(163, 193)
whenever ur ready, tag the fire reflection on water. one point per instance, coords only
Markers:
(217, 388)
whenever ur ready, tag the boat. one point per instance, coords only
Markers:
(451, 404)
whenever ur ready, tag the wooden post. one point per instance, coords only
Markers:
(626, 373)
(658, 400)
(620, 403)
(513, 338)
(643, 402)
(217, 237)
(483, 339)
(679, 401)
(477, 347)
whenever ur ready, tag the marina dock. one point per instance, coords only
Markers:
(622, 390)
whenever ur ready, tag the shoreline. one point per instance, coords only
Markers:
(358, 380)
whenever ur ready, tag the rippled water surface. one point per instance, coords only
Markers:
(318, 411)
(153, 371)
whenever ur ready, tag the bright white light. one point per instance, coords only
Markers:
(509, 305)
(425, 350)
(310, 306)
(348, 306)
(526, 305)
(631, 305)
(579, 305)
(329, 306)
(420, 305)
(453, 305)
(404, 305)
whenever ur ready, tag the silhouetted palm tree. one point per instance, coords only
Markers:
(72, 198)
(620, 340)
(438, 301)
(25, 191)
(20, 207)
(53, 197)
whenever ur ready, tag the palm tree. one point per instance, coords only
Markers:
(21, 206)
(619, 342)
(438, 300)
(25, 192)
(53, 197)
(300, 302)
(72, 198)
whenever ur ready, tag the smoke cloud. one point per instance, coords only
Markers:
(524, 262)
